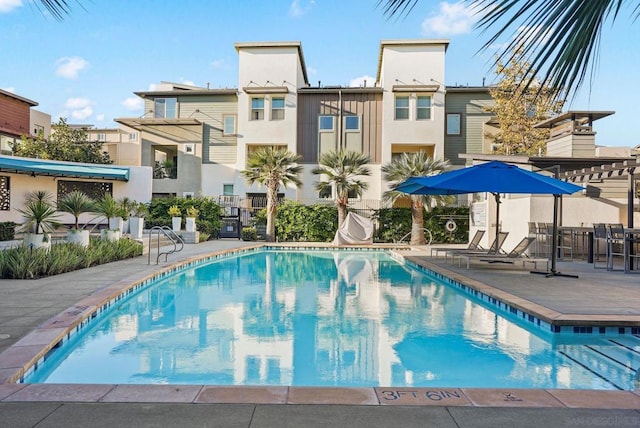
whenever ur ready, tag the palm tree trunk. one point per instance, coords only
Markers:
(342, 211)
(417, 222)
(272, 203)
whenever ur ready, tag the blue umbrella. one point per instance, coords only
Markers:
(494, 177)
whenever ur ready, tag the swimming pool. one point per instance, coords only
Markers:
(327, 318)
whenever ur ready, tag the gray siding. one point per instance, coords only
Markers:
(367, 105)
(470, 106)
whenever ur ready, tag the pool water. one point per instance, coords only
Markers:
(327, 318)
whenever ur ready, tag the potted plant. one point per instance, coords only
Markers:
(192, 214)
(136, 222)
(77, 203)
(41, 218)
(128, 205)
(109, 208)
(176, 218)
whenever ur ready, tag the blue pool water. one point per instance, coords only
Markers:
(327, 318)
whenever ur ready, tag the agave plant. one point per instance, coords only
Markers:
(40, 213)
(76, 203)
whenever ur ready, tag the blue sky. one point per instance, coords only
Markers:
(87, 67)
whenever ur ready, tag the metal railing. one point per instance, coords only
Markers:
(174, 238)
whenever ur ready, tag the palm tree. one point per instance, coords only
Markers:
(57, 8)
(273, 167)
(412, 165)
(76, 203)
(341, 169)
(562, 36)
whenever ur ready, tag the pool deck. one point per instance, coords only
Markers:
(34, 314)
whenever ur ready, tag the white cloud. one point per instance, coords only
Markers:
(70, 67)
(451, 19)
(9, 88)
(299, 8)
(7, 6)
(153, 87)
(100, 117)
(218, 64)
(81, 108)
(187, 82)
(83, 113)
(363, 81)
(132, 103)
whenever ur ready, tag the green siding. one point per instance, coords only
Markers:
(470, 106)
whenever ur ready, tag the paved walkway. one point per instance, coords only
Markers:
(596, 295)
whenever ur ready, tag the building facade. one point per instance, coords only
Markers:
(198, 139)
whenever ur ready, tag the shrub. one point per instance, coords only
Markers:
(395, 223)
(7, 231)
(305, 223)
(24, 263)
(249, 233)
(207, 220)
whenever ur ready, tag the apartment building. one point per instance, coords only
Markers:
(198, 139)
(18, 118)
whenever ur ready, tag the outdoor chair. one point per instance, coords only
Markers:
(474, 244)
(518, 253)
(533, 233)
(616, 245)
(495, 248)
(600, 235)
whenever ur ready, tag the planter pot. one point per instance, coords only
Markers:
(80, 237)
(37, 240)
(116, 223)
(176, 223)
(136, 226)
(190, 224)
(110, 235)
(126, 225)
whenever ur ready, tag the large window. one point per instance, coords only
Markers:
(229, 125)
(277, 108)
(402, 107)
(423, 107)
(453, 123)
(165, 108)
(257, 108)
(227, 189)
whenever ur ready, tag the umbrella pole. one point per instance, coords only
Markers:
(497, 196)
(554, 244)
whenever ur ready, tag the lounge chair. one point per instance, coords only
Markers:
(517, 254)
(495, 248)
(474, 244)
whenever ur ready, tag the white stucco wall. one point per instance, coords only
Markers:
(413, 64)
(137, 188)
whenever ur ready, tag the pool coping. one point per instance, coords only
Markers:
(31, 350)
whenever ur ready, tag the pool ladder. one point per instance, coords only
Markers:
(174, 238)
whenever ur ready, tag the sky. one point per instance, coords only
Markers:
(87, 67)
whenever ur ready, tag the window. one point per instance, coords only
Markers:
(165, 108)
(102, 136)
(277, 108)
(229, 125)
(227, 189)
(402, 108)
(326, 123)
(423, 107)
(257, 108)
(189, 148)
(38, 129)
(453, 123)
(133, 136)
(352, 123)
(5, 145)
(94, 189)
(325, 193)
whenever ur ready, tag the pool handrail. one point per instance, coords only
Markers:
(171, 236)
